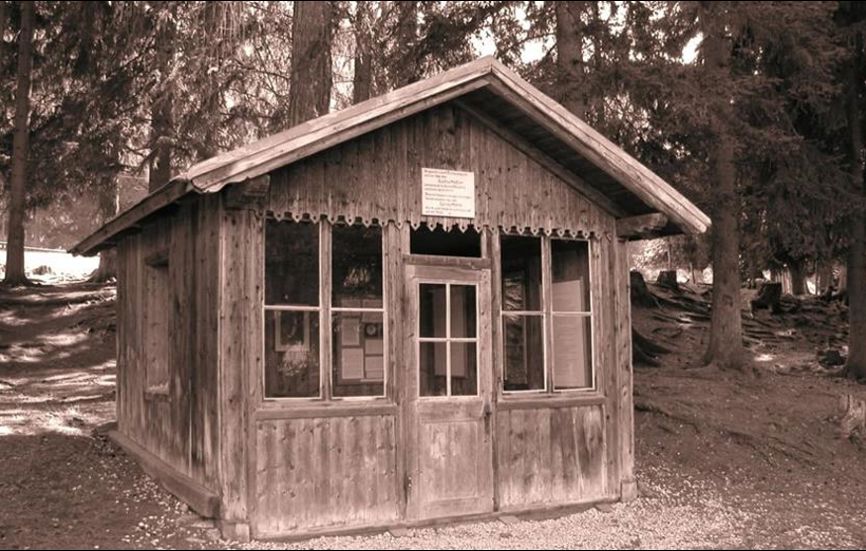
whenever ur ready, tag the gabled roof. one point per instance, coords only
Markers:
(485, 87)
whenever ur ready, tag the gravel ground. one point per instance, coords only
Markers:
(722, 462)
(673, 512)
(691, 516)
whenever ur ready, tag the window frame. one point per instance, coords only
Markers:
(447, 339)
(547, 315)
(523, 313)
(157, 377)
(328, 289)
(325, 310)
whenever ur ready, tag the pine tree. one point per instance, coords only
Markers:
(311, 81)
(20, 150)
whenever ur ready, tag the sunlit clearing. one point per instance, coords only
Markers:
(70, 420)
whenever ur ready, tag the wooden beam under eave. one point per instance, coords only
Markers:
(250, 194)
(132, 217)
(644, 226)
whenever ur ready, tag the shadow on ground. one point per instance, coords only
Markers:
(63, 484)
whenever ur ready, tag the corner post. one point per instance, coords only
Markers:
(624, 373)
(240, 349)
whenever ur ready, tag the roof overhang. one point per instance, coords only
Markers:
(478, 85)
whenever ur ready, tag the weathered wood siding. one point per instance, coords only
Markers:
(378, 176)
(289, 467)
(313, 467)
(551, 456)
(314, 473)
(180, 426)
(240, 354)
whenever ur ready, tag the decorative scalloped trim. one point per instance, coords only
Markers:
(441, 222)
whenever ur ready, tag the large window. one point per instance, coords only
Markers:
(522, 313)
(546, 314)
(358, 314)
(292, 310)
(299, 302)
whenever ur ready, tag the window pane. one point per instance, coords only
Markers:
(291, 263)
(464, 369)
(572, 352)
(438, 241)
(432, 369)
(521, 272)
(570, 266)
(432, 310)
(524, 352)
(357, 266)
(291, 354)
(359, 354)
(463, 311)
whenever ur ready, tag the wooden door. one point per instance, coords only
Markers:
(448, 408)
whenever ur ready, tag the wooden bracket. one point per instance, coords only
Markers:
(645, 226)
(250, 194)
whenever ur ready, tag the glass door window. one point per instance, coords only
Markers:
(447, 339)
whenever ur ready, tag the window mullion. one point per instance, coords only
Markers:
(326, 371)
(448, 339)
(546, 306)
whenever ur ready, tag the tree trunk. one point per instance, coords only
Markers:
(310, 88)
(668, 279)
(4, 17)
(162, 111)
(569, 56)
(769, 297)
(856, 365)
(406, 68)
(109, 205)
(824, 277)
(20, 151)
(843, 279)
(362, 81)
(798, 277)
(726, 349)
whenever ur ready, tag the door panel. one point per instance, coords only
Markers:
(450, 459)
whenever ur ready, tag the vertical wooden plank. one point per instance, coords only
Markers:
(240, 338)
(325, 334)
(625, 409)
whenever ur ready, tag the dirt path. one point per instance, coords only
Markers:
(60, 486)
(723, 461)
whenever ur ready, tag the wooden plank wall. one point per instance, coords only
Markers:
(335, 472)
(623, 393)
(178, 427)
(378, 175)
(551, 456)
(285, 473)
(240, 355)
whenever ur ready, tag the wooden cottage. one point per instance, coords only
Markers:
(413, 309)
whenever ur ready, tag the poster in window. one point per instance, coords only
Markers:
(352, 363)
(350, 334)
(292, 330)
